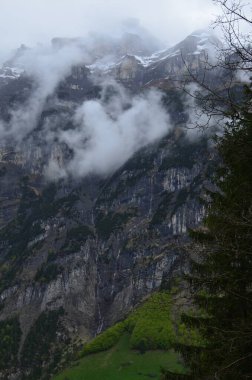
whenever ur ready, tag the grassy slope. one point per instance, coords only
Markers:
(122, 363)
(116, 354)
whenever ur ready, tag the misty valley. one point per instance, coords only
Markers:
(125, 206)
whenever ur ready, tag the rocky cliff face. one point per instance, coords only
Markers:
(97, 248)
(192, 55)
(93, 248)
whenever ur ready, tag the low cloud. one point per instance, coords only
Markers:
(95, 137)
(109, 131)
(101, 134)
(46, 66)
(29, 21)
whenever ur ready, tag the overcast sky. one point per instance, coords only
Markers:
(32, 21)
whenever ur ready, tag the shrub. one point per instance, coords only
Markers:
(105, 340)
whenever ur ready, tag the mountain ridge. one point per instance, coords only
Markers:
(81, 253)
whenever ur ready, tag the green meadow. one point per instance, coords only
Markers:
(122, 363)
(134, 349)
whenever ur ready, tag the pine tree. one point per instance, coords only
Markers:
(221, 270)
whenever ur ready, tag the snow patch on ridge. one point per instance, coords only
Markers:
(11, 72)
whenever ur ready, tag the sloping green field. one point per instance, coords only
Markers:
(136, 348)
(122, 363)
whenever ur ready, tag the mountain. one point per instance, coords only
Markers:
(165, 65)
(78, 254)
(132, 60)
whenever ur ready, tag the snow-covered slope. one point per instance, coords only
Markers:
(129, 61)
(141, 69)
